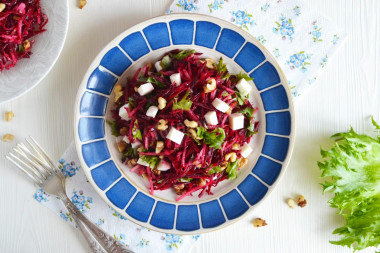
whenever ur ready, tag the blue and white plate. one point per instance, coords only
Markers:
(127, 192)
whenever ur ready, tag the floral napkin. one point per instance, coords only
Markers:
(301, 41)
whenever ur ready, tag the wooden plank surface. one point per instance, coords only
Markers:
(347, 93)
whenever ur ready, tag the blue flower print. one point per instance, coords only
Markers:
(284, 27)
(262, 39)
(299, 61)
(242, 19)
(172, 241)
(100, 222)
(195, 237)
(80, 201)
(316, 33)
(187, 5)
(41, 196)
(68, 169)
(311, 80)
(116, 214)
(121, 238)
(297, 10)
(216, 5)
(324, 61)
(335, 39)
(65, 216)
(142, 243)
(276, 52)
(265, 7)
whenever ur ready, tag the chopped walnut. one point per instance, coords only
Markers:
(145, 176)
(159, 146)
(162, 125)
(291, 203)
(136, 88)
(156, 171)
(122, 145)
(2, 7)
(161, 156)
(223, 165)
(243, 161)
(8, 137)
(118, 91)
(9, 116)
(210, 63)
(258, 222)
(82, 3)
(301, 201)
(123, 131)
(179, 188)
(230, 157)
(26, 45)
(132, 162)
(236, 146)
(209, 86)
(149, 66)
(191, 124)
(193, 134)
(161, 103)
(200, 181)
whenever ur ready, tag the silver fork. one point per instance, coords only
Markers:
(32, 159)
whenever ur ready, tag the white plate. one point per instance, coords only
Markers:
(48, 45)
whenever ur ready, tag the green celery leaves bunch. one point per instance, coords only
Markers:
(351, 170)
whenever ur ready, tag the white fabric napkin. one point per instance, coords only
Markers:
(302, 41)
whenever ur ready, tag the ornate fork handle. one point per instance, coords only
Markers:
(98, 240)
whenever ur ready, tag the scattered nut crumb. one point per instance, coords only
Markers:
(179, 188)
(132, 162)
(301, 201)
(8, 137)
(243, 161)
(136, 89)
(82, 3)
(200, 181)
(9, 116)
(161, 103)
(26, 45)
(291, 203)
(121, 145)
(258, 222)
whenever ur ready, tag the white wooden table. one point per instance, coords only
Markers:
(346, 94)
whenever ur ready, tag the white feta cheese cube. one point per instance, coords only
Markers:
(176, 78)
(158, 66)
(220, 105)
(163, 165)
(236, 121)
(246, 150)
(243, 86)
(211, 118)
(142, 162)
(145, 89)
(175, 135)
(123, 112)
(136, 144)
(126, 140)
(152, 111)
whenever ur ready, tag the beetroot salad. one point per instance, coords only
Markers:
(184, 123)
(19, 21)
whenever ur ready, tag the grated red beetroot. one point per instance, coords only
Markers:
(19, 21)
(194, 165)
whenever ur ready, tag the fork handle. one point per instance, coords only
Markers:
(98, 240)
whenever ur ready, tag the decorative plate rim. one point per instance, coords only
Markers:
(166, 18)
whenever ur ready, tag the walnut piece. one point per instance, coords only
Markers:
(118, 91)
(193, 134)
(161, 103)
(159, 146)
(243, 161)
(82, 3)
(236, 146)
(191, 124)
(26, 45)
(9, 116)
(291, 203)
(301, 201)
(123, 131)
(162, 125)
(2, 7)
(8, 137)
(132, 162)
(258, 222)
(200, 181)
(209, 86)
(230, 157)
(122, 145)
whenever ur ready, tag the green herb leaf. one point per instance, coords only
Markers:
(240, 98)
(152, 160)
(221, 68)
(131, 101)
(155, 82)
(225, 94)
(136, 131)
(183, 54)
(232, 169)
(248, 112)
(184, 103)
(130, 152)
(185, 180)
(351, 169)
(212, 139)
(114, 129)
(166, 62)
(245, 76)
(215, 169)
